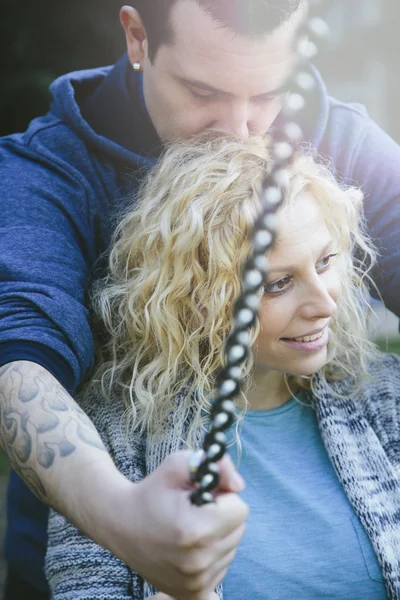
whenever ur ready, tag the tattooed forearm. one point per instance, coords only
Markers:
(39, 422)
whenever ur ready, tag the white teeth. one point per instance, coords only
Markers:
(309, 338)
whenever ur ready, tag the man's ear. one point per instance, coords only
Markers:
(135, 33)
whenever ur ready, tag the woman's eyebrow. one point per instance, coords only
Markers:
(278, 269)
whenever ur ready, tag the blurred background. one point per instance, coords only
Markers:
(42, 39)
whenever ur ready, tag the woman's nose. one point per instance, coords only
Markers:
(321, 302)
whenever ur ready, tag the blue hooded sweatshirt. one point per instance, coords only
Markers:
(61, 185)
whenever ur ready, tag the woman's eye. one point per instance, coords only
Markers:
(278, 286)
(325, 262)
(284, 284)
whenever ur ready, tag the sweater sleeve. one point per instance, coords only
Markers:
(47, 247)
(76, 567)
(79, 569)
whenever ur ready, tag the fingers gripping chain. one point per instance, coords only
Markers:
(204, 471)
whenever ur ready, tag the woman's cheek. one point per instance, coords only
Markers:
(276, 314)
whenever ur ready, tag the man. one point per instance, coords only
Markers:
(190, 65)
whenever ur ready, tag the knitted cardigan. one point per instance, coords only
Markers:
(362, 438)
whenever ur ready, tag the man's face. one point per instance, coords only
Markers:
(214, 79)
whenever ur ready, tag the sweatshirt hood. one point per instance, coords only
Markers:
(105, 107)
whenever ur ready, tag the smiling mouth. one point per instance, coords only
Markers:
(307, 338)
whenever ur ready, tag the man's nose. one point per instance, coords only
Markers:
(233, 119)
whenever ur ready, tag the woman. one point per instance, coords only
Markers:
(317, 441)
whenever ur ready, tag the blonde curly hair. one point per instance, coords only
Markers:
(175, 270)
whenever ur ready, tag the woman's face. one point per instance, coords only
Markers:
(301, 293)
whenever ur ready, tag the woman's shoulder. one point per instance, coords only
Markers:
(380, 399)
(381, 388)
(385, 375)
(376, 397)
(383, 379)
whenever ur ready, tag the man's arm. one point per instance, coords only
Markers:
(46, 436)
(55, 448)
(48, 244)
(151, 525)
(360, 153)
(376, 170)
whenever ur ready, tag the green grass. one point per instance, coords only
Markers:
(391, 345)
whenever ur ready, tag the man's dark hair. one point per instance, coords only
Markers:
(246, 17)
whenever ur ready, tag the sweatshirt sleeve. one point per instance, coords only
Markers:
(47, 246)
(376, 166)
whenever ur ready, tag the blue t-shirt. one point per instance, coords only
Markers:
(303, 539)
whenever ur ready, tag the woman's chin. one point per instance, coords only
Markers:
(308, 366)
(314, 364)
(291, 362)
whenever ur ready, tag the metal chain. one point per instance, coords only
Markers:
(204, 469)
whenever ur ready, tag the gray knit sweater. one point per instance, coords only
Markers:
(362, 437)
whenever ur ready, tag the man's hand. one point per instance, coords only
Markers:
(183, 550)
